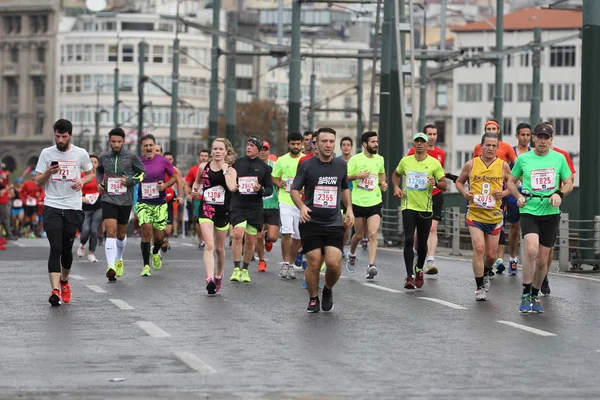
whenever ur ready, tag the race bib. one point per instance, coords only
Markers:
(416, 180)
(116, 187)
(368, 183)
(288, 184)
(150, 190)
(215, 195)
(30, 202)
(484, 201)
(543, 179)
(325, 197)
(17, 203)
(67, 172)
(247, 184)
(92, 197)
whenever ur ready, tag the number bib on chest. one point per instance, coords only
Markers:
(215, 195)
(416, 180)
(247, 184)
(288, 184)
(116, 187)
(543, 179)
(30, 202)
(92, 197)
(17, 203)
(484, 201)
(325, 197)
(150, 190)
(67, 173)
(368, 183)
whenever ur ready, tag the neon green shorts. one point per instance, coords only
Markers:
(219, 228)
(155, 214)
(249, 229)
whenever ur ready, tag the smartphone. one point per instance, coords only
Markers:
(53, 163)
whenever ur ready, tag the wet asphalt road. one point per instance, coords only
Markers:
(162, 337)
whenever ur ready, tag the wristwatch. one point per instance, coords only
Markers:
(559, 193)
(226, 172)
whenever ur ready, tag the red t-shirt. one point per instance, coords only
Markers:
(4, 180)
(191, 175)
(505, 152)
(31, 190)
(90, 187)
(569, 161)
(439, 155)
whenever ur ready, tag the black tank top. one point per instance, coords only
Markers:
(215, 192)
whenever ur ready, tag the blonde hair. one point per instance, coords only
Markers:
(231, 155)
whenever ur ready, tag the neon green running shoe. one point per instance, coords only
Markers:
(245, 276)
(119, 268)
(156, 261)
(146, 271)
(235, 276)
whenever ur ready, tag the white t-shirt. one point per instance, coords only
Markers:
(59, 193)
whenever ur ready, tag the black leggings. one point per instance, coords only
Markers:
(422, 222)
(61, 249)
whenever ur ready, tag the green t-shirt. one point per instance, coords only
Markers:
(367, 192)
(417, 193)
(285, 169)
(542, 176)
(271, 202)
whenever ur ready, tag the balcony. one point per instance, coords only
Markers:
(10, 69)
(37, 69)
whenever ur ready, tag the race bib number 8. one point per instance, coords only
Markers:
(215, 195)
(368, 183)
(67, 172)
(247, 183)
(416, 180)
(543, 179)
(325, 197)
(484, 201)
(150, 190)
(115, 187)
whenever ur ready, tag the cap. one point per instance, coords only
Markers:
(19, 180)
(256, 141)
(420, 135)
(544, 129)
(33, 173)
(267, 145)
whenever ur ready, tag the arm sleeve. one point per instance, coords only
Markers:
(300, 178)
(277, 170)
(138, 172)
(267, 185)
(344, 184)
(86, 162)
(382, 167)
(439, 173)
(400, 168)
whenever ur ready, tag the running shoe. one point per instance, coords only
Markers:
(218, 283)
(512, 268)
(201, 245)
(364, 243)
(262, 266)
(351, 263)
(119, 268)
(268, 245)
(536, 305)
(164, 246)
(235, 276)
(304, 265)
(344, 254)
(525, 306)
(145, 271)
(283, 273)
(430, 268)
(490, 273)
(409, 282)
(419, 278)
(156, 261)
(480, 295)
(371, 271)
(245, 276)
(291, 274)
(500, 267)
(545, 287)
(54, 299)
(327, 300)
(81, 251)
(65, 291)
(92, 258)
(111, 273)
(486, 283)
(211, 287)
(298, 260)
(314, 306)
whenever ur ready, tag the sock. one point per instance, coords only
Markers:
(315, 298)
(236, 264)
(145, 252)
(121, 248)
(326, 290)
(245, 265)
(534, 291)
(110, 248)
(156, 248)
(67, 281)
(430, 258)
(526, 288)
(515, 259)
(479, 282)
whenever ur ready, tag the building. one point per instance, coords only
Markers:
(27, 85)
(560, 81)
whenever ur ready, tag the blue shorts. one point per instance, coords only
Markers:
(488, 229)
(513, 214)
(17, 211)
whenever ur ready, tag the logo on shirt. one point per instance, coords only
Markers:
(327, 180)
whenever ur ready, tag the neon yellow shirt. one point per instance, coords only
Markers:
(417, 192)
(285, 169)
(366, 191)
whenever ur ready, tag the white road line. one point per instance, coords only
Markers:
(152, 329)
(121, 304)
(372, 285)
(19, 244)
(444, 303)
(187, 244)
(195, 363)
(95, 288)
(77, 277)
(527, 328)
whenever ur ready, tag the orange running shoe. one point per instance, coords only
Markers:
(262, 266)
(268, 245)
(65, 291)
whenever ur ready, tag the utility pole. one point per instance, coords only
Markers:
(312, 94)
(96, 146)
(499, 85)
(294, 101)
(213, 113)
(359, 102)
(175, 90)
(535, 80)
(443, 4)
(423, 76)
(142, 77)
(384, 92)
(374, 69)
(230, 84)
(116, 90)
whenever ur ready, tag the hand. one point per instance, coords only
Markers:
(179, 200)
(498, 194)
(224, 166)
(124, 181)
(54, 169)
(100, 187)
(555, 200)
(195, 190)
(349, 218)
(362, 174)
(257, 187)
(77, 185)
(304, 214)
(281, 184)
(84, 200)
(398, 192)
(468, 195)
(521, 201)
(383, 186)
(161, 186)
(431, 181)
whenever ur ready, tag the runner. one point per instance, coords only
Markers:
(92, 209)
(486, 175)
(270, 231)
(117, 173)
(152, 202)
(214, 184)
(324, 180)
(423, 173)
(346, 145)
(512, 210)
(30, 193)
(368, 170)
(437, 199)
(247, 215)
(59, 171)
(17, 209)
(283, 176)
(5, 213)
(307, 142)
(174, 198)
(540, 170)
(194, 204)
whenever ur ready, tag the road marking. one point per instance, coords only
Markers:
(152, 329)
(526, 328)
(372, 285)
(195, 363)
(95, 288)
(121, 304)
(77, 277)
(444, 303)
(19, 244)
(187, 244)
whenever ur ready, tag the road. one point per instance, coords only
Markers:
(162, 337)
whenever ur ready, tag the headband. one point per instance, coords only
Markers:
(490, 122)
(255, 141)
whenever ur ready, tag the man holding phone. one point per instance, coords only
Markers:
(59, 171)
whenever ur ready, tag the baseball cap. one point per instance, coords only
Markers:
(543, 129)
(19, 180)
(267, 145)
(420, 135)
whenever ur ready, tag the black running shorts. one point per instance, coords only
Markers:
(272, 216)
(546, 227)
(315, 236)
(120, 213)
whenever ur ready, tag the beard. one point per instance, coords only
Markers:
(372, 150)
(63, 146)
(295, 151)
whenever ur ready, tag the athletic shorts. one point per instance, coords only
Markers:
(251, 220)
(488, 229)
(218, 227)
(290, 220)
(65, 220)
(318, 237)
(16, 211)
(437, 202)
(366, 212)
(513, 213)
(220, 219)
(546, 227)
(30, 211)
(272, 216)
(155, 214)
(170, 213)
(112, 211)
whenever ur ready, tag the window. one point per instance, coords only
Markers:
(524, 59)
(14, 54)
(166, 27)
(441, 131)
(137, 26)
(243, 83)
(508, 92)
(39, 89)
(469, 126)
(87, 53)
(182, 55)
(158, 54)
(39, 23)
(507, 126)
(70, 53)
(562, 92)
(99, 55)
(462, 157)
(126, 84)
(563, 126)
(39, 123)
(348, 107)
(523, 92)
(41, 55)
(127, 53)
(113, 53)
(441, 95)
(88, 87)
(12, 24)
(562, 56)
(14, 122)
(469, 92)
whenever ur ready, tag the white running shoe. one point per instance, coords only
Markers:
(291, 274)
(92, 258)
(480, 295)
(81, 251)
(486, 283)
(283, 273)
